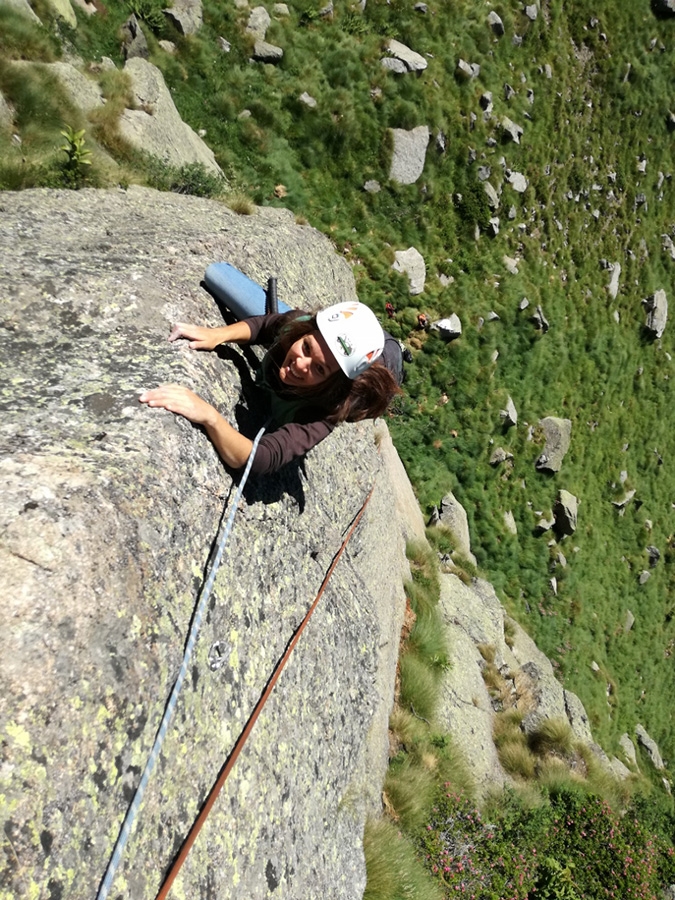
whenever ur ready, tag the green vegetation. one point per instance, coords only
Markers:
(565, 830)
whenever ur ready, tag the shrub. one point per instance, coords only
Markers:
(552, 736)
(393, 870)
(191, 178)
(419, 690)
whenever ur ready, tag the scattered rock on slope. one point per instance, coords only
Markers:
(650, 745)
(186, 15)
(452, 514)
(413, 62)
(448, 328)
(557, 433)
(565, 512)
(411, 262)
(657, 313)
(509, 414)
(410, 149)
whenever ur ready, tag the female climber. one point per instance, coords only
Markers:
(320, 370)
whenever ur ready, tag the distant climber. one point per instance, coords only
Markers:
(389, 309)
(423, 321)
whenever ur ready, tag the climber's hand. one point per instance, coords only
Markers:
(182, 402)
(200, 337)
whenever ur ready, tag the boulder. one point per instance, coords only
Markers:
(629, 621)
(531, 12)
(650, 746)
(108, 518)
(372, 186)
(411, 262)
(492, 195)
(540, 320)
(449, 328)
(155, 126)
(24, 8)
(657, 313)
(186, 15)
(134, 42)
(620, 504)
(84, 92)
(267, 53)
(63, 10)
(518, 182)
(663, 7)
(6, 114)
(308, 100)
(410, 149)
(509, 414)
(394, 65)
(495, 23)
(258, 22)
(452, 514)
(499, 456)
(511, 264)
(628, 748)
(413, 62)
(557, 433)
(511, 130)
(565, 513)
(510, 522)
(613, 286)
(464, 71)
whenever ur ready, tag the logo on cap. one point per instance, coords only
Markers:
(345, 345)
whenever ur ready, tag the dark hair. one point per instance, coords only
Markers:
(341, 398)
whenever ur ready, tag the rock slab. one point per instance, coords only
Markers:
(108, 515)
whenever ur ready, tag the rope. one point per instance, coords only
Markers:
(132, 811)
(243, 737)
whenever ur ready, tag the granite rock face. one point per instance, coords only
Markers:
(109, 513)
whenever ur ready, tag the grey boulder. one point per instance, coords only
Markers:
(557, 433)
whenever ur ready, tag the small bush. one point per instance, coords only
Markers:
(419, 687)
(552, 736)
(241, 204)
(191, 178)
(516, 759)
(392, 868)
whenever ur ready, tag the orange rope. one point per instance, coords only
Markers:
(243, 737)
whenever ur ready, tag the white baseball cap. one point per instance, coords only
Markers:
(353, 334)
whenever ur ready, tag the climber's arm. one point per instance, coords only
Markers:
(203, 338)
(233, 448)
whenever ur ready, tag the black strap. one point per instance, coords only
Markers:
(271, 301)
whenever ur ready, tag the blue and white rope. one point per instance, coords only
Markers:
(130, 817)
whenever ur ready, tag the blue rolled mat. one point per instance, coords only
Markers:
(239, 293)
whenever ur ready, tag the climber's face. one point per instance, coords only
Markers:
(308, 362)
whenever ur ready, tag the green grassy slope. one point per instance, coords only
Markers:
(605, 105)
